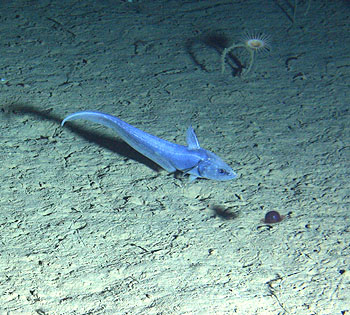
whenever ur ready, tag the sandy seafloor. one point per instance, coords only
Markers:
(89, 226)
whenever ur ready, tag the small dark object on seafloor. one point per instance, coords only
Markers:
(273, 217)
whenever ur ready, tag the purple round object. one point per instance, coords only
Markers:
(273, 217)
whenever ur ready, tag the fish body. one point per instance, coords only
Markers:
(190, 159)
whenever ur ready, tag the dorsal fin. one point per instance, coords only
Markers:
(192, 141)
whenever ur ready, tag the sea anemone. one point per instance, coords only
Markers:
(253, 43)
(259, 42)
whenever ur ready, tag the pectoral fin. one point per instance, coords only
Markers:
(193, 172)
(163, 162)
(192, 178)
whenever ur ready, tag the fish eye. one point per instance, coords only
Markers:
(222, 171)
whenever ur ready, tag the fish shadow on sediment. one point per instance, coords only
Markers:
(110, 143)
